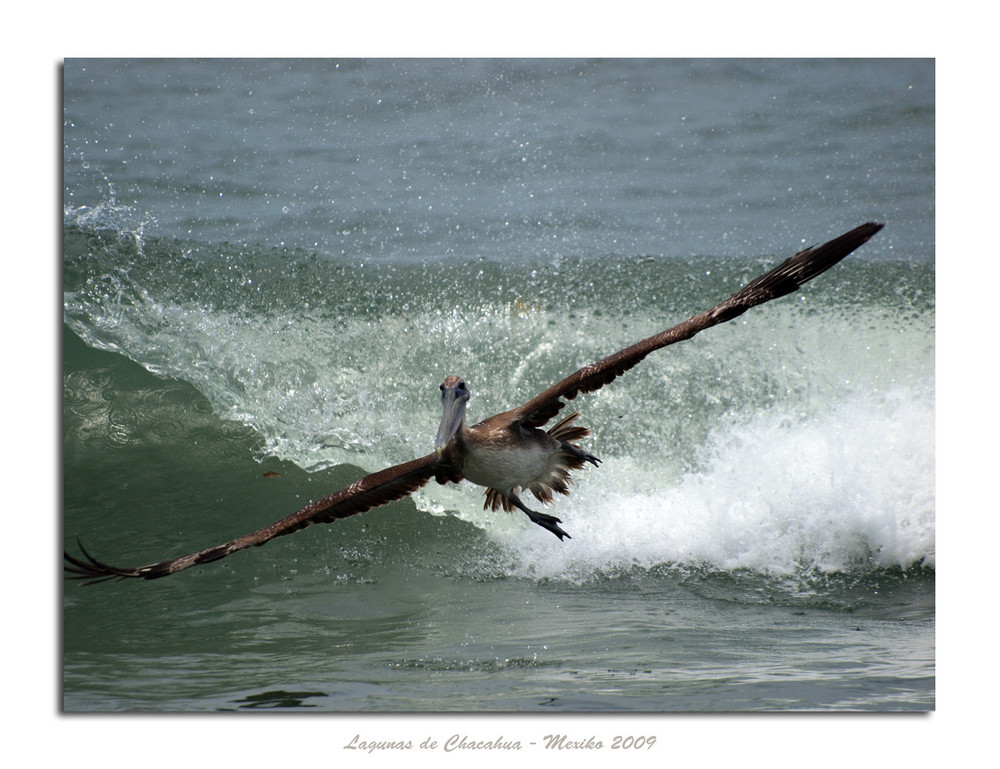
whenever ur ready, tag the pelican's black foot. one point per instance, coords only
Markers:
(549, 522)
(576, 451)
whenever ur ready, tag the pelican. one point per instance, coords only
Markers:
(510, 452)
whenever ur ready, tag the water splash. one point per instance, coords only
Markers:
(848, 491)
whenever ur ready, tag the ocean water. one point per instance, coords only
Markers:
(269, 266)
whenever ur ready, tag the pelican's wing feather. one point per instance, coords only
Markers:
(782, 280)
(371, 491)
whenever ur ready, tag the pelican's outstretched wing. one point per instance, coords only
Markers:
(782, 280)
(371, 491)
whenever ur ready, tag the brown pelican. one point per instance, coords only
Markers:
(507, 453)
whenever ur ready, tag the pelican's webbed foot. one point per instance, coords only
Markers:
(584, 456)
(544, 520)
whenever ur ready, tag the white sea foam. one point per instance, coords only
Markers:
(846, 491)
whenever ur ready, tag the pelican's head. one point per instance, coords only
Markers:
(454, 396)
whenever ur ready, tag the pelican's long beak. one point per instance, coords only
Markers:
(454, 396)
